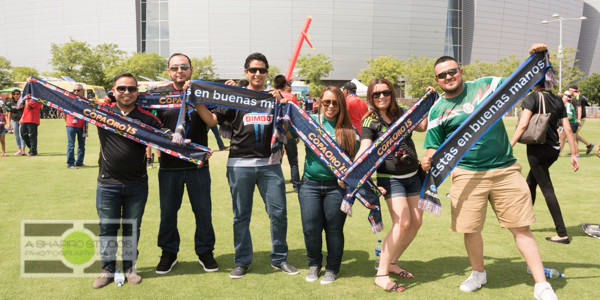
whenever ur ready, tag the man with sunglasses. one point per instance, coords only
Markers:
(76, 129)
(357, 108)
(175, 174)
(248, 167)
(29, 125)
(122, 189)
(488, 172)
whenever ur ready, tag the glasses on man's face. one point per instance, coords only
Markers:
(177, 67)
(450, 72)
(385, 93)
(327, 103)
(260, 70)
(130, 88)
(77, 90)
(16, 93)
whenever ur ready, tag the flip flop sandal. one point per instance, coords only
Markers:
(403, 273)
(393, 288)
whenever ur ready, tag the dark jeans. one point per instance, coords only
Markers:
(271, 185)
(119, 202)
(540, 158)
(72, 134)
(291, 150)
(171, 185)
(29, 134)
(320, 209)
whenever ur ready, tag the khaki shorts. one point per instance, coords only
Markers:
(506, 190)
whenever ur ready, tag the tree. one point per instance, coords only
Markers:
(204, 69)
(141, 64)
(273, 71)
(570, 71)
(502, 68)
(386, 67)
(418, 73)
(313, 68)
(5, 78)
(590, 88)
(85, 63)
(22, 73)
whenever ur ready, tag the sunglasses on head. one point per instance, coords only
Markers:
(450, 72)
(177, 67)
(327, 103)
(260, 70)
(385, 93)
(123, 88)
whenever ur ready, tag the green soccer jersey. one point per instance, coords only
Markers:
(493, 150)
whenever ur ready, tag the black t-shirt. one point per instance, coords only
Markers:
(554, 106)
(122, 160)
(15, 113)
(251, 132)
(372, 127)
(195, 130)
(581, 101)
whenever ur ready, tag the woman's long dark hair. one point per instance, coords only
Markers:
(344, 131)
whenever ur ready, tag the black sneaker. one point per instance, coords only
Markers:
(287, 268)
(238, 272)
(589, 149)
(167, 262)
(208, 262)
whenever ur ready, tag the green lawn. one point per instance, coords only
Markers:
(43, 188)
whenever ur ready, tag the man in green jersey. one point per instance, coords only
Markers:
(488, 172)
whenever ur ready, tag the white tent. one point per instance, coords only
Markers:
(361, 89)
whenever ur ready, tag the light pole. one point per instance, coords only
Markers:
(559, 19)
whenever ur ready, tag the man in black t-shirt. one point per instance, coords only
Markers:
(580, 102)
(175, 173)
(122, 189)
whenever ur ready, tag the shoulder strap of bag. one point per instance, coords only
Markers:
(542, 104)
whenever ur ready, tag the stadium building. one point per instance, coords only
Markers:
(348, 31)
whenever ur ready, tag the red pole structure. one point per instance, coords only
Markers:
(301, 39)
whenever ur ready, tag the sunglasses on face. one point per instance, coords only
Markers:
(183, 67)
(122, 88)
(450, 72)
(260, 70)
(385, 93)
(77, 90)
(327, 103)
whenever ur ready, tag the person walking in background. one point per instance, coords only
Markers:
(357, 108)
(14, 116)
(29, 125)
(291, 147)
(175, 174)
(76, 129)
(580, 102)
(247, 168)
(542, 156)
(398, 176)
(488, 172)
(571, 112)
(321, 193)
(3, 130)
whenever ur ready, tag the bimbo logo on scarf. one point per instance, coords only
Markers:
(258, 119)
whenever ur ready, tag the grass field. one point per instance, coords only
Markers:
(43, 188)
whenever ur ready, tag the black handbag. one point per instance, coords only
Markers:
(535, 133)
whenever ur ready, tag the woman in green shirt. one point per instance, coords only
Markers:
(321, 194)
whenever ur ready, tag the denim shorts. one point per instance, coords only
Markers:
(403, 187)
(3, 130)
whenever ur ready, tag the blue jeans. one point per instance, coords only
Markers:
(72, 133)
(320, 209)
(118, 201)
(270, 183)
(215, 130)
(171, 185)
(16, 127)
(291, 150)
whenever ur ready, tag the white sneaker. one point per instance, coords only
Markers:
(474, 282)
(544, 291)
